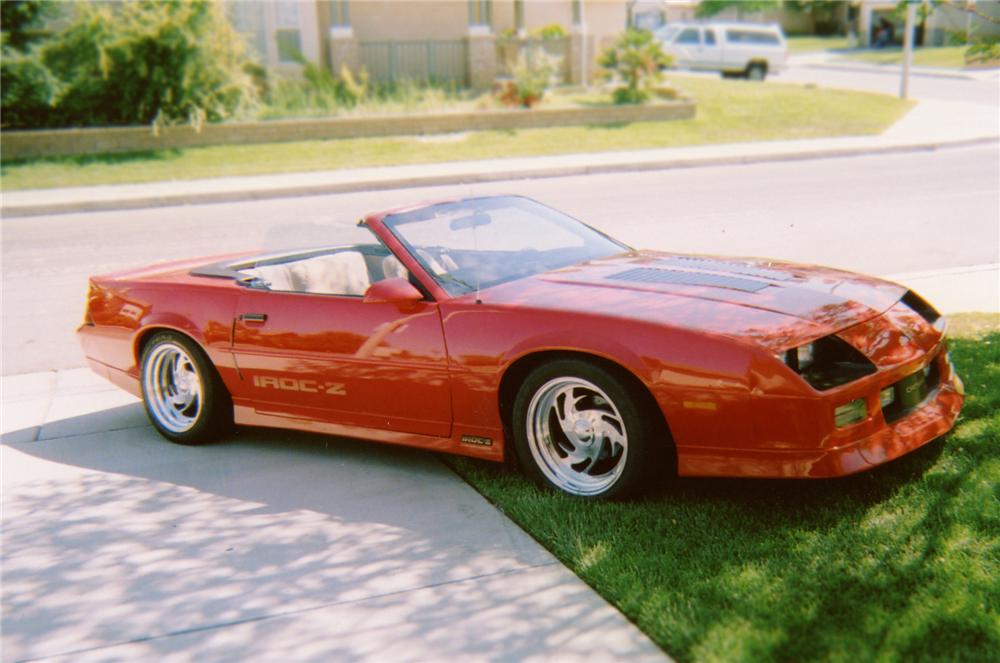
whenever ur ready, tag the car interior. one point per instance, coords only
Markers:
(339, 271)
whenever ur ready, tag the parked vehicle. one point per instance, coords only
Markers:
(733, 49)
(496, 326)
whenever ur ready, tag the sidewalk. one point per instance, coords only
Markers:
(931, 125)
(272, 546)
(831, 60)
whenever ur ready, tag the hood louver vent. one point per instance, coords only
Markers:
(725, 266)
(677, 277)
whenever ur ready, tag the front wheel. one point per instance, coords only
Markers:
(578, 429)
(183, 394)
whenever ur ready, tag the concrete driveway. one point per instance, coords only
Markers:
(270, 546)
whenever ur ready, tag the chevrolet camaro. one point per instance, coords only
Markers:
(496, 327)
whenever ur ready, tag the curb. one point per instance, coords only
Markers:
(592, 164)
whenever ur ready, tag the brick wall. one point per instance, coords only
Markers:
(37, 143)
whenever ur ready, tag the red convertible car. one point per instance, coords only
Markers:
(494, 326)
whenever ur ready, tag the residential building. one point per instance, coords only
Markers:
(460, 40)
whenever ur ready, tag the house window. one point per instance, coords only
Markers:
(287, 33)
(480, 12)
(339, 15)
(577, 12)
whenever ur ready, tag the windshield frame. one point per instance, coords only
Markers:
(389, 222)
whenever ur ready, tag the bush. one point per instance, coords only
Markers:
(636, 60)
(986, 51)
(27, 92)
(136, 63)
(318, 91)
(551, 31)
(532, 76)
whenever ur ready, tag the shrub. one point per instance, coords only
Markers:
(550, 31)
(532, 76)
(27, 92)
(28, 87)
(318, 91)
(986, 51)
(636, 60)
(139, 63)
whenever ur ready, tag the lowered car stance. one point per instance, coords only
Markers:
(497, 327)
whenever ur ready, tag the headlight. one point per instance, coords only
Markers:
(828, 363)
(887, 396)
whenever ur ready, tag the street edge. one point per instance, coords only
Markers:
(589, 168)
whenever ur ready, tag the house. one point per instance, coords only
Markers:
(472, 42)
(943, 23)
(446, 40)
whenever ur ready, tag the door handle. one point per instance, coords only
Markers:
(253, 317)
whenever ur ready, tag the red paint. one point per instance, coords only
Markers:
(395, 367)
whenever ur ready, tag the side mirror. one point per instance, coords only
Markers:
(393, 291)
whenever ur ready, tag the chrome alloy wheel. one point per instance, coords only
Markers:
(576, 436)
(173, 387)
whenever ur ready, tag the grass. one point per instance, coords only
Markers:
(945, 56)
(901, 563)
(728, 112)
(810, 44)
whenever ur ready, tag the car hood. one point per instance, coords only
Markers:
(776, 304)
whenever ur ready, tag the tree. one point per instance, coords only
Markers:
(636, 58)
(708, 8)
(21, 22)
(822, 12)
(28, 87)
(149, 62)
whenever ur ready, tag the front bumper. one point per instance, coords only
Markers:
(934, 417)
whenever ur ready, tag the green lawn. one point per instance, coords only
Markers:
(728, 112)
(898, 564)
(809, 44)
(946, 56)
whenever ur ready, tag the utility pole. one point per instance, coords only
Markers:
(904, 83)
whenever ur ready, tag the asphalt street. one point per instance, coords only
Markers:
(878, 214)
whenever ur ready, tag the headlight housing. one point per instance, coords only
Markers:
(828, 363)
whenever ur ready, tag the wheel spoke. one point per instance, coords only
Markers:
(567, 410)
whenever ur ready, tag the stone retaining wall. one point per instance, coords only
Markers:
(59, 142)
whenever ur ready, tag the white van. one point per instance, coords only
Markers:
(734, 49)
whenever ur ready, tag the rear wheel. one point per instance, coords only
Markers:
(182, 392)
(756, 71)
(579, 429)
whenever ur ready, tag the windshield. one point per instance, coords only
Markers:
(667, 33)
(476, 243)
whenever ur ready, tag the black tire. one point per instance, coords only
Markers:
(610, 449)
(756, 71)
(184, 396)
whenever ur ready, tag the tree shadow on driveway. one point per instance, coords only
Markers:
(117, 536)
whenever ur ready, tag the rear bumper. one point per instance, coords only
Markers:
(109, 345)
(935, 417)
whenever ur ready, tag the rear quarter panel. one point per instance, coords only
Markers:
(123, 313)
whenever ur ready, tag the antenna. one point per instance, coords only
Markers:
(475, 249)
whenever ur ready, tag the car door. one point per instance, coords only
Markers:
(340, 359)
(710, 56)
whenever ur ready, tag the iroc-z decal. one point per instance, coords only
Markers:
(476, 441)
(296, 384)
